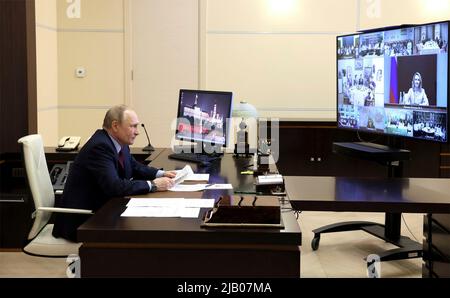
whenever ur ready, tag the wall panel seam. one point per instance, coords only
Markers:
(47, 27)
(72, 107)
(89, 30)
(83, 107)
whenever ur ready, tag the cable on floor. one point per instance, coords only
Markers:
(407, 227)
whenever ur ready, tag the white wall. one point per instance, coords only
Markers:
(279, 58)
(68, 105)
(279, 55)
(164, 59)
(47, 70)
(94, 41)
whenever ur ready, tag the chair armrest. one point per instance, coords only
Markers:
(65, 210)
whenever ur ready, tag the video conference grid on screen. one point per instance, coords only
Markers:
(202, 116)
(395, 81)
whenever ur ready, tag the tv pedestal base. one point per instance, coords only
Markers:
(390, 232)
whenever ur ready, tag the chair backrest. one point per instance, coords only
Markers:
(38, 180)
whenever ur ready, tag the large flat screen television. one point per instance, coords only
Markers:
(394, 81)
(203, 116)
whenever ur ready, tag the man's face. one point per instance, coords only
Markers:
(127, 131)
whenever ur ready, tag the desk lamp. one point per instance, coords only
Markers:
(244, 111)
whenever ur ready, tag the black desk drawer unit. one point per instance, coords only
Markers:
(445, 165)
(436, 245)
(15, 220)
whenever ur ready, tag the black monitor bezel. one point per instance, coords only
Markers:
(383, 29)
(227, 122)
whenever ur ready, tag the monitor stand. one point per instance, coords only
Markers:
(388, 156)
(391, 230)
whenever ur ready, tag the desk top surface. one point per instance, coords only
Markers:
(224, 170)
(411, 195)
(107, 225)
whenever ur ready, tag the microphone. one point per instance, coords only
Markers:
(149, 147)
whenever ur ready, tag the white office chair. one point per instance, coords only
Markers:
(41, 240)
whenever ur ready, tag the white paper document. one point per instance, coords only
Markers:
(182, 174)
(166, 207)
(199, 187)
(188, 187)
(219, 186)
(189, 212)
(198, 203)
(191, 176)
(161, 212)
(171, 202)
(197, 177)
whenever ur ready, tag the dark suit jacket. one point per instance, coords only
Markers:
(95, 177)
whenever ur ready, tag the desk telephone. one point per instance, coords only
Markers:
(68, 143)
(58, 175)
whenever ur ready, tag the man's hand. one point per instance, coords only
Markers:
(163, 183)
(170, 174)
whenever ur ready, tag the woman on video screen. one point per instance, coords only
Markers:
(416, 94)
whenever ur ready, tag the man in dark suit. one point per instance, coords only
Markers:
(104, 168)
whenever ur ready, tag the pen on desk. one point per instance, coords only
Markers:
(247, 173)
(248, 192)
(216, 204)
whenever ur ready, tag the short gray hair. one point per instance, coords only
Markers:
(116, 113)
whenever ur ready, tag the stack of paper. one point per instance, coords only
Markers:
(197, 177)
(199, 187)
(167, 207)
(186, 174)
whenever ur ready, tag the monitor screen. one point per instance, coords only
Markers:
(395, 81)
(203, 116)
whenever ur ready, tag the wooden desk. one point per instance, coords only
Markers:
(411, 195)
(179, 247)
(225, 170)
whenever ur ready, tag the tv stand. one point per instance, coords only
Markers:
(391, 230)
(388, 156)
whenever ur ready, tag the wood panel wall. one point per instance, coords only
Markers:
(18, 114)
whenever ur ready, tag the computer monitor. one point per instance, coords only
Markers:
(203, 117)
(394, 81)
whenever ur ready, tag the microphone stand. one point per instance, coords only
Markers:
(149, 147)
